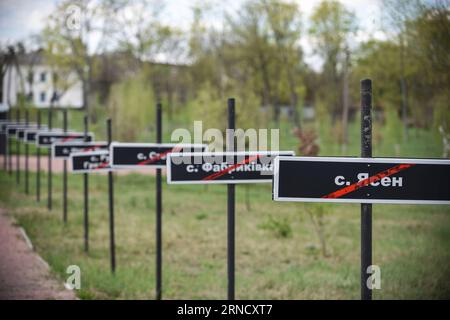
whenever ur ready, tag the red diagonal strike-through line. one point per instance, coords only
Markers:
(69, 138)
(102, 165)
(91, 148)
(158, 157)
(237, 165)
(353, 187)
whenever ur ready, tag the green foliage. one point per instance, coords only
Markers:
(270, 266)
(392, 130)
(131, 105)
(279, 226)
(442, 111)
(248, 109)
(331, 25)
(209, 108)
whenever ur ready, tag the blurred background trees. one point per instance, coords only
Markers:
(127, 56)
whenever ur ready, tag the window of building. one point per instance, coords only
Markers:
(43, 76)
(42, 96)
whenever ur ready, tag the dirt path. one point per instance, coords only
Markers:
(23, 274)
(58, 165)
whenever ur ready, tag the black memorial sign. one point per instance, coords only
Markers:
(65, 149)
(46, 139)
(30, 134)
(93, 161)
(3, 144)
(13, 128)
(362, 180)
(20, 132)
(222, 167)
(132, 155)
(4, 125)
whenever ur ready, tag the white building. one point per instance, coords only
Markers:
(34, 78)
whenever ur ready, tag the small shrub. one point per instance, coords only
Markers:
(201, 216)
(280, 227)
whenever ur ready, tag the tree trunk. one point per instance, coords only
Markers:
(294, 98)
(267, 87)
(345, 104)
(404, 91)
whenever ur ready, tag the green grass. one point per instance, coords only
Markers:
(411, 243)
(278, 252)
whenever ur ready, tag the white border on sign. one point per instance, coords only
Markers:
(148, 145)
(276, 176)
(92, 143)
(16, 127)
(37, 130)
(224, 154)
(30, 126)
(50, 131)
(90, 153)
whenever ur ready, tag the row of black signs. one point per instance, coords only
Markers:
(129, 155)
(186, 163)
(305, 179)
(41, 136)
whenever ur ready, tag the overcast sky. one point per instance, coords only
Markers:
(21, 18)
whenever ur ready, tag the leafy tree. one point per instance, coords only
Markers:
(68, 34)
(130, 105)
(332, 27)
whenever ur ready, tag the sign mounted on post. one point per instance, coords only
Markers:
(362, 180)
(222, 167)
(93, 161)
(65, 149)
(4, 125)
(20, 132)
(13, 128)
(133, 155)
(30, 134)
(46, 139)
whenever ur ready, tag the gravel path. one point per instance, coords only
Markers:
(23, 274)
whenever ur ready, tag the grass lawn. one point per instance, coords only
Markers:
(278, 249)
(278, 253)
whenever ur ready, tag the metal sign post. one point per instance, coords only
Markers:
(38, 161)
(86, 195)
(111, 207)
(5, 164)
(3, 148)
(366, 208)
(10, 147)
(158, 209)
(231, 204)
(27, 174)
(65, 172)
(18, 152)
(49, 161)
